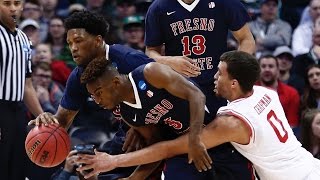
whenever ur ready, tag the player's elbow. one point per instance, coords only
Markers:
(199, 96)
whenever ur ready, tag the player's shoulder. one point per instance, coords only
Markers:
(118, 49)
(75, 74)
(258, 90)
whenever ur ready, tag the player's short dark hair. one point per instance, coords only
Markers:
(243, 67)
(96, 68)
(93, 23)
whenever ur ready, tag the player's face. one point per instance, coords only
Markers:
(83, 46)
(314, 78)
(222, 81)
(316, 126)
(103, 93)
(269, 70)
(10, 12)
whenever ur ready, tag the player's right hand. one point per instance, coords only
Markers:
(70, 161)
(199, 155)
(184, 66)
(45, 118)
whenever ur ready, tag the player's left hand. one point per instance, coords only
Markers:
(133, 141)
(198, 154)
(100, 162)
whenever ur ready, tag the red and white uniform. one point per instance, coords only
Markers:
(273, 148)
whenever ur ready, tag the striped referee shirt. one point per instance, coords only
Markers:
(15, 63)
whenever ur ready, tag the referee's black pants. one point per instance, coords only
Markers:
(13, 133)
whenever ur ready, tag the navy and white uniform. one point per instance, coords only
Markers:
(156, 106)
(170, 113)
(124, 58)
(199, 31)
(75, 95)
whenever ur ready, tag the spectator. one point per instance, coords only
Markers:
(310, 132)
(285, 57)
(134, 32)
(288, 96)
(311, 96)
(49, 9)
(302, 35)
(124, 8)
(270, 31)
(57, 39)
(56, 36)
(301, 62)
(33, 10)
(60, 71)
(32, 30)
(48, 92)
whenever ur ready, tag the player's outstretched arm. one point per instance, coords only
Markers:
(222, 129)
(181, 64)
(245, 39)
(63, 117)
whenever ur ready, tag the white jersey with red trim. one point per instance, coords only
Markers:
(273, 148)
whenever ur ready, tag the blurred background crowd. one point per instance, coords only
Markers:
(287, 35)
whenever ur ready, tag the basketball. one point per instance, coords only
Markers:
(47, 146)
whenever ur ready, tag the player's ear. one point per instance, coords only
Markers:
(99, 42)
(116, 81)
(234, 82)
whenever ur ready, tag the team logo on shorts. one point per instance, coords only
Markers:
(142, 85)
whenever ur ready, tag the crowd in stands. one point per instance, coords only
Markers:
(287, 35)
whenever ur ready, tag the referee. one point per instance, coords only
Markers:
(15, 87)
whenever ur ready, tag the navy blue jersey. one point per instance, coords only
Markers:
(198, 31)
(124, 58)
(156, 106)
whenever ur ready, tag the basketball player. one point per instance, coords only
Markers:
(194, 34)
(253, 121)
(152, 94)
(86, 32)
